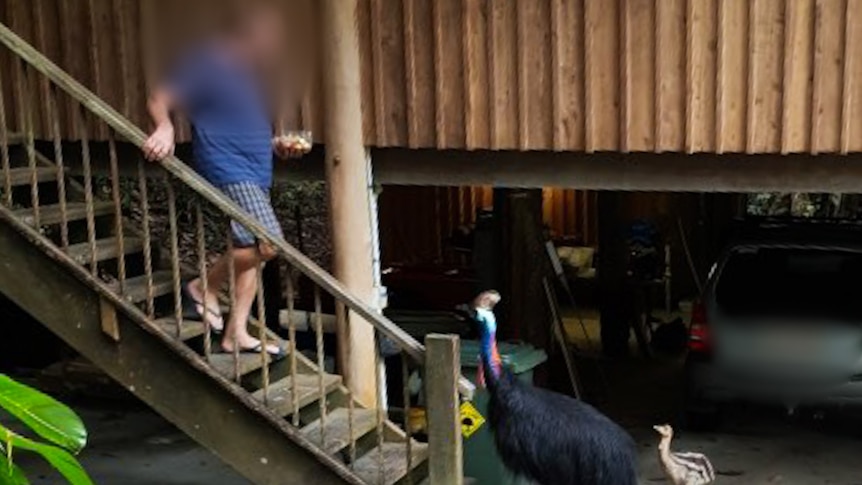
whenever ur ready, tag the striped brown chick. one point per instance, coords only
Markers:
(682, 468)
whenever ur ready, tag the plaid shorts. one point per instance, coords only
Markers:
(255, 200)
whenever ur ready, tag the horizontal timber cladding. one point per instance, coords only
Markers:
(713, 76)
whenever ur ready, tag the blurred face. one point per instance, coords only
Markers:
(261, 36)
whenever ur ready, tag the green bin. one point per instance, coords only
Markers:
(481, 460)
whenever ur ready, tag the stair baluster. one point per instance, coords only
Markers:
(59, 161)
(50, 95)
(25, 87)
(175, 256)
(321, 362)
(144, 194)
(351, 429)
(291, 335)
(5, 164)
(380, 393)
(83, 128)
(203, 271)
(264, 333)
(231, 281)
(341, 325)
(119, 231)
(405, 388)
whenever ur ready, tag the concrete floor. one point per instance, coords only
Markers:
(130, 445)
(753, 445)
(133, 446)
(759, 446)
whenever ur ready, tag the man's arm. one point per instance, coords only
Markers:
(161, 142)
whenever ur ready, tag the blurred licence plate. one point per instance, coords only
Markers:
(796, 344)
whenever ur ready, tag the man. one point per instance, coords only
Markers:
(220, 87)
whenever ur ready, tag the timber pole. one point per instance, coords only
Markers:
(347, 182)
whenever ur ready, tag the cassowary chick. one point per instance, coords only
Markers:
(682, 468)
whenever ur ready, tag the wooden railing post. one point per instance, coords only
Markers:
(442, 370)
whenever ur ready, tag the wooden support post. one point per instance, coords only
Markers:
(525, 312)
(347, 181)
(108, 315)
(442, 369)
(613, 300)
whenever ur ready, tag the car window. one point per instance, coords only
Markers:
(781, 282)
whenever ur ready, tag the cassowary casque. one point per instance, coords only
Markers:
(547, 437)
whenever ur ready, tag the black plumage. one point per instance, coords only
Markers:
(550, 438)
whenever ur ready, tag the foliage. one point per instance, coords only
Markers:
(804, 205)
(301, 208)
(52, 421)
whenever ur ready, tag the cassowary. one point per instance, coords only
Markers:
(547, 437)
(682, 468)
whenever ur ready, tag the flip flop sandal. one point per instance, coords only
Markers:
(192, 306)
(259, 348)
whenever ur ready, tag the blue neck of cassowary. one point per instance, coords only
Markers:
(493, 365)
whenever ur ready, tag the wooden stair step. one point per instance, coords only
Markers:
(136, 288)
(105, 249)
(13, 138)
(223, 363)
(281, 392)
(394, 462)
(189, 329)
(22, 176)
(75, 211)
(337, 433)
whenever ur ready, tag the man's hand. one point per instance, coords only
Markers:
(287, 147)
(160, 144)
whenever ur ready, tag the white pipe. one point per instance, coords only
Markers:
(379, 297)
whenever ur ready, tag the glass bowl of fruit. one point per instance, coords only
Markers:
(294, 143)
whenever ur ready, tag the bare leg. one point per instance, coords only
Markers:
(216, 279)
(236, 333)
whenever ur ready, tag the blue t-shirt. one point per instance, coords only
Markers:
(232, 135)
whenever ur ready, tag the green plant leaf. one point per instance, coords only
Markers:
(60, 459)
(43, 414)
(10, 474)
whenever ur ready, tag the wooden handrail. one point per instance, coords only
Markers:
(189, 177)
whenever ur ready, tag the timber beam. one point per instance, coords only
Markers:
(666, 172)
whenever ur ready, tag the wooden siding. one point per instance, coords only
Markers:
(419, 235)
(716, 76)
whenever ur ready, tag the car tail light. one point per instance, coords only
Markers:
(698, 335)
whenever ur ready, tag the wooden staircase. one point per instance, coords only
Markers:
(297, 400)
(77, 261)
